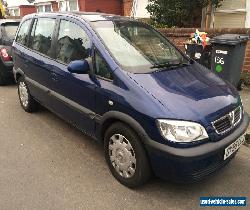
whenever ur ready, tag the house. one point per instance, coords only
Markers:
(107, 6)
(46, 5)
(139, 9)
(231, 14)
(236, 14)
(20, 8)
(136, 8)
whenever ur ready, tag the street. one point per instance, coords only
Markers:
(47, 164)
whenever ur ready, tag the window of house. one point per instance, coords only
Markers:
(39, 8)
(62, 6)
(68, 5)
(44, 8)
(232, 11)
(41, 35)
(22, 36)
(15, 12)
(101, 67)
(47, 8)
(72, 5)
(73, 43)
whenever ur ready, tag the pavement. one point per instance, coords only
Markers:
(47, 164)
(245, 96)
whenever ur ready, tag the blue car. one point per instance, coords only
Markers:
(120, 81)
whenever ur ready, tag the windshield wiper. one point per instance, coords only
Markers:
(168, 65)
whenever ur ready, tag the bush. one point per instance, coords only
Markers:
(245, 76)
(169, 13)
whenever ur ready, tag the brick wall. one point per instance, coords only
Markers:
(27, 9)
(247, 59)
(179, 35)
(127, 7)
(107, 6)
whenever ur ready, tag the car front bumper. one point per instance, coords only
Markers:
(192, 164)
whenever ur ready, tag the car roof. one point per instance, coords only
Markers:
(87, 16)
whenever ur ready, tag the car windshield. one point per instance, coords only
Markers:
(10, 29)
(137, 47)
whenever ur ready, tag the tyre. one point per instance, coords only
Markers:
(125, 156)
(26, 100)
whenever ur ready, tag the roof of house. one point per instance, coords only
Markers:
(43, 1)
(16, 3)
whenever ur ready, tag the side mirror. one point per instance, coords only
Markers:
(79, 67)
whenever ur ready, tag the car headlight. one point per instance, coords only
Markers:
(181, 131)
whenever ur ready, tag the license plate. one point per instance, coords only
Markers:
(234, 147)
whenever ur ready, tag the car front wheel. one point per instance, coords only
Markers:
(125, 155)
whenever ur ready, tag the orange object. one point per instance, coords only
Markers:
(204, 38)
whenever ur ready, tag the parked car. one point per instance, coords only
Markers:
(124, 84)
(7, 34)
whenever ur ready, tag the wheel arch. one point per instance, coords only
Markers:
(112, 117)
(18, 73)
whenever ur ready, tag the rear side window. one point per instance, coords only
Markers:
(23, 33)
(73, 43)
(41, 35)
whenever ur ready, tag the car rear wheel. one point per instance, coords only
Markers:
(125, 155)
(26, 100)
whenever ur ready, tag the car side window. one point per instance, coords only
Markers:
(23, 33)
(101, 67)
(73, 43)
(41, 35)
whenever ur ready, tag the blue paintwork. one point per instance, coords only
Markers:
(191, 93)
(78, 67)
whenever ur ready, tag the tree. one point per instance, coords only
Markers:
(177, 12)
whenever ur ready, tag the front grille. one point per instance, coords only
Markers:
(228, 122)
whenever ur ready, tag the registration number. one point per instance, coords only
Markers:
(234, 147)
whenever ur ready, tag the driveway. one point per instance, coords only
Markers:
(47, 164)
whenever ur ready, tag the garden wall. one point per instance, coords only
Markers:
(179, 35)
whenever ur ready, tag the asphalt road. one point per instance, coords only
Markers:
(47, 164)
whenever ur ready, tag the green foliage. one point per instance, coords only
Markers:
(176, 12)
(245, 76)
